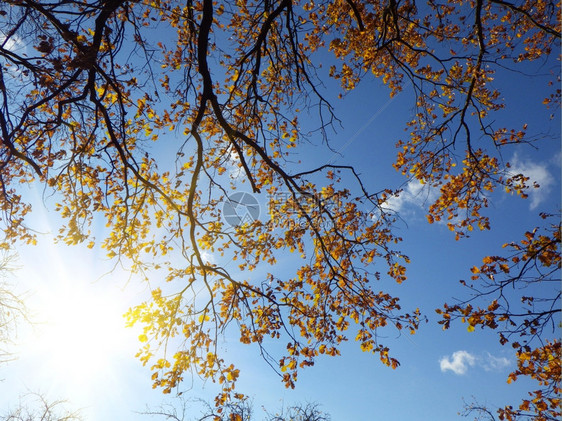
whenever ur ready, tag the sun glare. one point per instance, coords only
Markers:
(80, 336)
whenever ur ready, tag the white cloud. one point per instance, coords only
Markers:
(458, 363)
(414, 194)
(537, 173)
(491, 363)
(207, 257)
(417, 195)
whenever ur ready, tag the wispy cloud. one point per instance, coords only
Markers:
(491, 363)
(414, 194)
(537, 173)
(556, 159)
(458, 363)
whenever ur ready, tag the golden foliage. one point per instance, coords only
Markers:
(531, 269)
(217, 88)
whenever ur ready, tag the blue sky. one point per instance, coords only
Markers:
(438, 369)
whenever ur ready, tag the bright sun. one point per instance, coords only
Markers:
(81, 333)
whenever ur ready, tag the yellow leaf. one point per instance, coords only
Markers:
(204, 317)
